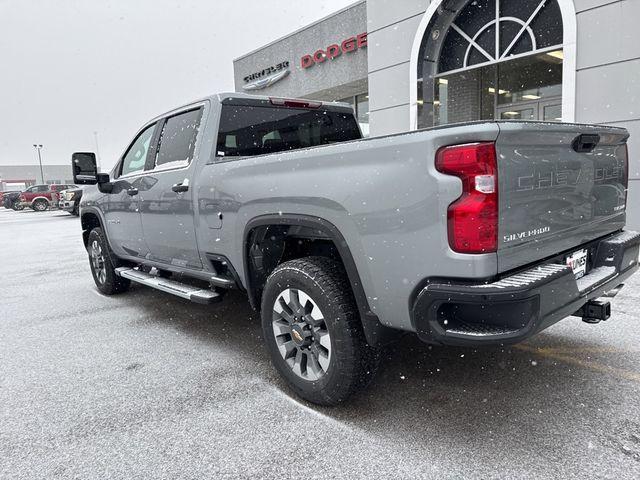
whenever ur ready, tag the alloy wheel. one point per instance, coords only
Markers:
(97, 262)
(301, 334)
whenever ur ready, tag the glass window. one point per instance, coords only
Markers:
(362, 110)
(530, 78)
(136, 156)
(178, 139)
(257, 130)
(499, 90)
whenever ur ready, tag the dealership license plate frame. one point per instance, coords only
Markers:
(578, 261)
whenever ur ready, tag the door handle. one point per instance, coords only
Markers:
(180, 187)
(132, 191)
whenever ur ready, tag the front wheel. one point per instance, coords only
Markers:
(17, 206)
(102, 265)
(313, 331)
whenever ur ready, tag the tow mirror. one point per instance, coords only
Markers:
(85, 168)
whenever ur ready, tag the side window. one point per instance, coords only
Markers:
(178, 139)
(41, 189)
(136, 156)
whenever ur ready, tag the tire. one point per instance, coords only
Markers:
(40, 205)
(17, 206)
(103, 264)
(316, 341)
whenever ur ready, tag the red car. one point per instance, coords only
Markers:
(41, 197)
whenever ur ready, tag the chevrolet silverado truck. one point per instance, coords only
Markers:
(474, 234)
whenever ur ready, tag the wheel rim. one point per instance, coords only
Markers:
(40, 206)
(97, 262)
(301, 334)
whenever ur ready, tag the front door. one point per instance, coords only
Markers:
(167, 197)
(122, 206)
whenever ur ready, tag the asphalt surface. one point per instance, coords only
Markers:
(145, 385)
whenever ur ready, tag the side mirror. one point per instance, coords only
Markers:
(85, 168)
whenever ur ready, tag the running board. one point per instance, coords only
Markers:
(195, 294)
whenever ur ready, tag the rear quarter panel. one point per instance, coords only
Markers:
(383, 194)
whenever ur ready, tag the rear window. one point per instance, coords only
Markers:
(256, 130)
(178, 139)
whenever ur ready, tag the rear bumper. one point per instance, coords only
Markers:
(520, 305)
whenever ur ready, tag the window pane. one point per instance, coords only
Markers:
(529, 79)
(465, 96)
(362, 102)
(260, 130)
(178, 138)
(552, 113)
(136, 156)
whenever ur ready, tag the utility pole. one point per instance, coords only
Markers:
(38, 148)
(95, 136)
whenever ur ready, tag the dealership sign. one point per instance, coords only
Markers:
(333, 51)
(267, 77)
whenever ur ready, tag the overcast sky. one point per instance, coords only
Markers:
(71, 68)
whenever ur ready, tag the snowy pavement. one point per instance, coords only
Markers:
(145, 385)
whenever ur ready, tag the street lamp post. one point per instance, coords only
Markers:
(38, 148)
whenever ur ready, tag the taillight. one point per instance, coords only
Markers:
(473, 217)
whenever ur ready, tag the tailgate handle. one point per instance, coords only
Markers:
(586, 142)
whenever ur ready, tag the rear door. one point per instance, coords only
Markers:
(560, 186)
(166, 194)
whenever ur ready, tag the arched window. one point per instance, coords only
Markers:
(486, 59)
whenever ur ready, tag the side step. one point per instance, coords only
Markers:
(195, 294)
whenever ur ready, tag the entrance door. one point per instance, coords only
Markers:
(522, 111)
(167, 197)
(548, 111)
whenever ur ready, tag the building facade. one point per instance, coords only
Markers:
(18, 177)
(409, 64)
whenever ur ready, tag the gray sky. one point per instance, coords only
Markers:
(69, 68)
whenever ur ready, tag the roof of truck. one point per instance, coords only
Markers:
(247, 98)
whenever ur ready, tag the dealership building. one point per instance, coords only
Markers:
(411, 64)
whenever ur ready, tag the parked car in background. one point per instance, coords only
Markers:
(69, 200)
(42, 197)
(10, 200)
(2, 195)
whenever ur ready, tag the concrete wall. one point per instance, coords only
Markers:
(607, 79)
(392, 26)
(334, 79)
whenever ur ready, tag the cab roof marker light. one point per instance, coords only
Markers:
(292, 103)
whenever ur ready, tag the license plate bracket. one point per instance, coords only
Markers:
(578, 262)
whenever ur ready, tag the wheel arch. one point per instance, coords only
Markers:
(90, 219)
(375, 332)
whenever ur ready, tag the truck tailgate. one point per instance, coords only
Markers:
(556, 192)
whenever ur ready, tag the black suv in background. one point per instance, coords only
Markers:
(10, 200)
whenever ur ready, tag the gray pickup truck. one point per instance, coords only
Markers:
(475, 234)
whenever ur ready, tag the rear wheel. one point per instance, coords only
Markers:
(103, 265)
(17, 206)
(40, 205)
(313, 331)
